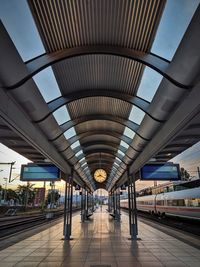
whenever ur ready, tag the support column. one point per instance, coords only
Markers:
(87, 205)
(83, 205)
(109, 203)
(68, 206)
(118, 215)
(90, 204)
(133, 226)
(115, 204)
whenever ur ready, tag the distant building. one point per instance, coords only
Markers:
(39, 196)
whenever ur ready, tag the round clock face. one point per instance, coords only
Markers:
(100, 175)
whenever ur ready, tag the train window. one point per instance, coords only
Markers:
(169, 202)
(195, 202)
(176, 202)
(180, 202)
(160, 202)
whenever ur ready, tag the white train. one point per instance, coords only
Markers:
(184, 203)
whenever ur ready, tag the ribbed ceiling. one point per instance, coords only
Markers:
(75, 23)
(65, 24)
(98, 72)
(98, 106)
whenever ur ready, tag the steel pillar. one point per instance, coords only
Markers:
(83, 205)
(113, 203)
(117, 215)
(93, 203)
(90, 208)
(133, 226)
(68, 206)
(109, 203)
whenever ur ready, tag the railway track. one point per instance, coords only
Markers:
(15, 225)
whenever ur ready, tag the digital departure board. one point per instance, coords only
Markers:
(40, 172)
(160, 172)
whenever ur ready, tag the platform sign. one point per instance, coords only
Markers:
(40, 172)
(160, 172)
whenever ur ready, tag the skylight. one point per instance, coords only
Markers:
(87, 172)
(112, 173)
(128, 132)
(174, 22)
(85, 168)
(21, 27)
(85, 163)
(47, 84)
(69, 133)
(118, 159)
(121, 153)
(115, 163)
(125, 145)
(136, 115)
(149, 84)
(79, 153)
(76, 144)
(82, 160)
(61, 115)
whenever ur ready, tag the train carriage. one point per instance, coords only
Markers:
(184, 203)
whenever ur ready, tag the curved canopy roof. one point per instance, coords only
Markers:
(100, 54)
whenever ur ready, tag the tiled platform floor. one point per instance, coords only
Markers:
(100, 242)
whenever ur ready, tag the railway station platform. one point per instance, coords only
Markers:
(100, 242)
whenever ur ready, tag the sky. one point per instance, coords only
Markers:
(7, 156)
(19, 23)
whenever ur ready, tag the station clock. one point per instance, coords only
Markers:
(100, 175)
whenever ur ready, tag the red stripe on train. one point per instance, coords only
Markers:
(193, 209)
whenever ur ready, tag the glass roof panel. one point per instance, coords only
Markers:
(85, 163)
(47, 84)
(118, 159)
(19, 23)
(174, 22)
(122, 143)
(69, 133)
(74, 145)
(82, 160)
(121, 153)
(136, 115)
(79, 153)
(128, 132)
(61, 115)
(149, 84)
(116, 164)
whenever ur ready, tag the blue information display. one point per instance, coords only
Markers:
(40, 172)
(160, 171)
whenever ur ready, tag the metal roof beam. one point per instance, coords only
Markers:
(189, 108)
(188, 57)
(39, 63)
(107, 144)
(102, 151)
(12, 68)
(115, 134)
(110, 160)
(66, 99)
(107, 117)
